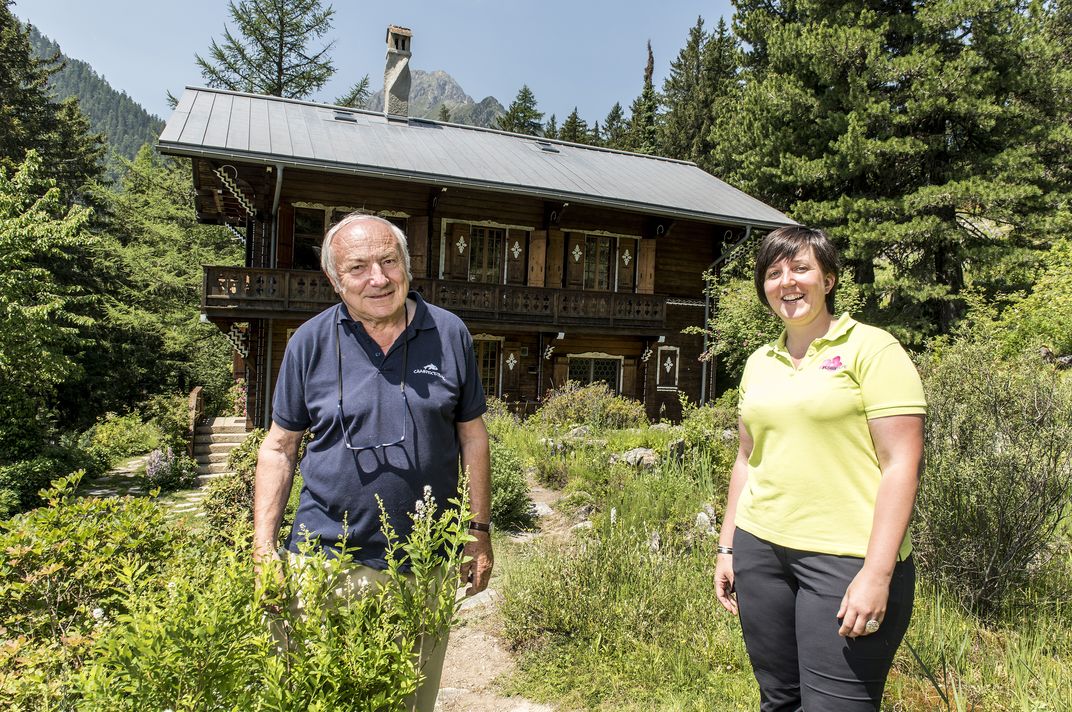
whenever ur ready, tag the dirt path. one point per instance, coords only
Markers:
(476, 655)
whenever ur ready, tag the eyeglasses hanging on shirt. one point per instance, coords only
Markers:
(401, 387)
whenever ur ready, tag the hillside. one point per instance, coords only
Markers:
(431, 90)
(124, 123)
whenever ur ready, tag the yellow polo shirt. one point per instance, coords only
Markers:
(813, 474)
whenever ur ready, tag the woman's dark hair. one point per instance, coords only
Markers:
(786, 243)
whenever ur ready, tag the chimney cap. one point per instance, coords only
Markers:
(398, 30)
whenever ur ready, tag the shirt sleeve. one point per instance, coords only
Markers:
(890, 383)
(471, 401)
(289, 409)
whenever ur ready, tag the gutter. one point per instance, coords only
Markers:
(274, 257)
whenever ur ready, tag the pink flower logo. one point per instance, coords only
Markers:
(832, 364)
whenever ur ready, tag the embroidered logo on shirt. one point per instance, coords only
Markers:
(832, 364)
(431, 370)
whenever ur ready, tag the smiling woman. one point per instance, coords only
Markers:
(832, 406)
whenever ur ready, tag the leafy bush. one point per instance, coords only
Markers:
(499, 420)
(511, 507)
(58, 578)
(169, 470)
(171, 416)
(20, 483)
(594, 405)
(346, 649)
(115, 437)
(999, 471)
(229, 501)
(236, 399)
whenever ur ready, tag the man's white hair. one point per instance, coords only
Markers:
(327, 259)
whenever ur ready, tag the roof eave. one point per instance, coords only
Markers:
(178, 149)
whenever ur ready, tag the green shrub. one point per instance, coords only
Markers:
(115, 437)
(204, 644)
(499, 420)
(228, 504)
(58, 582)
(511, 507)
(171, 416)
(170, 470)
(998, 474)
(24, 480)
(594, 405)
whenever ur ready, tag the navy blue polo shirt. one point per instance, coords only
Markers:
(340, 486)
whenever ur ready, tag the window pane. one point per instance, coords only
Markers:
(606, 370)
(487, 354)
(486, 255)
(580, 370)
(308, 234)
(597, 262)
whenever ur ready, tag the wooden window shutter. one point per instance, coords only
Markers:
(560, 371)
(456, 264)
(511, 368)
(627, 264)
(417, 229)
(646, 267)
(629, 379)
(284, 253)
(537, 257)
(575, 260)
(516, 263)
(555, 259)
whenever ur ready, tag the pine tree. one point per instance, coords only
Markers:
(595, 135)
(522, 117)
(915, 132)
(444, 113)
(643, 133)
(550, 129)
(30, 119)
(700, 86)
(269, 52)
(615, 128)
(574, 128)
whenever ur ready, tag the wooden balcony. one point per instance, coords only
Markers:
(239, 293)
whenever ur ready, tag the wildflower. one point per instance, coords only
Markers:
(98, 614)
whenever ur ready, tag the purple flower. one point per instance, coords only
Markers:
(832, 364)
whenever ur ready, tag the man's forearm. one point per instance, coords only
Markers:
(276, 461)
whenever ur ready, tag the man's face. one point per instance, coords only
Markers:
(372, 278)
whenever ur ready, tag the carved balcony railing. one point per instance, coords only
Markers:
(240, 292)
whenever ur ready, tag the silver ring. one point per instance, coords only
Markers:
(871, 626)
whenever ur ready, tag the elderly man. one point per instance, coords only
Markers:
(389, 387)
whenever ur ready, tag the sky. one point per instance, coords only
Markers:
(583, 53)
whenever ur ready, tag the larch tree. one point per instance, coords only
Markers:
(272, 49)
(522, 116)
(550, 129)
(917, 133)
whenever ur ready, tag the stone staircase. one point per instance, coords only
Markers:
(213, 442)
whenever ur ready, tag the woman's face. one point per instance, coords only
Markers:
(796, 288)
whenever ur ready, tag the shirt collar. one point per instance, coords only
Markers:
(422, 318)
(838, 329)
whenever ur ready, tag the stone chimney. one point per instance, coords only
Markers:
(396, 74)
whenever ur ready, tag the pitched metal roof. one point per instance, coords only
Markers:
(213, 123)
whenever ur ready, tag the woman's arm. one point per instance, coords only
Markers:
(899, 445)
(738, 477)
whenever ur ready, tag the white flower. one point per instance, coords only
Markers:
(98, 614)
(419, 506)
(613, 515)
(427, 491)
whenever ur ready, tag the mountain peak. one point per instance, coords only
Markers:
(431, 90)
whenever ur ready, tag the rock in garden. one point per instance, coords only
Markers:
(640, 457)
(541, 509)
(675, 450)
(579, 432)
(705, 521)
(660, 426)
(586, 524)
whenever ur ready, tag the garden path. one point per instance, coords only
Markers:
(125, 479)
(477, 655)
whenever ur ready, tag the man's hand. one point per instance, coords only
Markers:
(477, 570)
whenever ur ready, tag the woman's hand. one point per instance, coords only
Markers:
(864, 600)
(724, 583)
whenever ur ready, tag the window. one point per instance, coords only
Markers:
(487, 361)
(593, 370)
(597, 262)
(486, 255)
(308, 234)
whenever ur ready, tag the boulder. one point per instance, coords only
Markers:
(639, 457)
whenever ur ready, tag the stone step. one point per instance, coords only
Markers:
(210, 438)
(206, 458)
(207, 447)
(212, 468)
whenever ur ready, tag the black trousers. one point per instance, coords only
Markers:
(788, 601)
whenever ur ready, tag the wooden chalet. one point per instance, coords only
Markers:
(565, 261)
